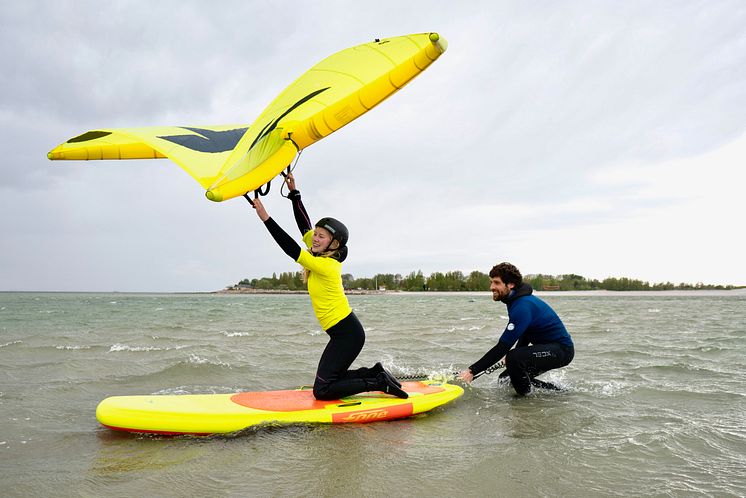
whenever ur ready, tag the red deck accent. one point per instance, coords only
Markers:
(419, 387)
(281, 401)
(295, 401)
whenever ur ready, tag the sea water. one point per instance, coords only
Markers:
(654, 403)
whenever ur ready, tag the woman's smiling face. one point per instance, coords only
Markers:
(322, 239)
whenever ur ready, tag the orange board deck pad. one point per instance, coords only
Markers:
(296, 400)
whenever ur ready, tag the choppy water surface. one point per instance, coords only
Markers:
(654, 403)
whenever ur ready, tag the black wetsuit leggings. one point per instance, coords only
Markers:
(524, 363)
(333, 379)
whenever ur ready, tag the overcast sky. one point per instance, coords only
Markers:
(588, 137)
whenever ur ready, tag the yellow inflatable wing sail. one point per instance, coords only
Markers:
(231, 160)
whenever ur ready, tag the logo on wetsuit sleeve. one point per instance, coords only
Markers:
(511, 326)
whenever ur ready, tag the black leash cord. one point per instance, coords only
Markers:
(496, 366)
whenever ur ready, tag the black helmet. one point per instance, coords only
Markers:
(336, 228)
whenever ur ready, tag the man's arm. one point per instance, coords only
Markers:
(491, 357)
(519, 318)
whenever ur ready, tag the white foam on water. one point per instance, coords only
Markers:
(173, 390)
(237, 334)
(198, 360)
(180, 390)
(123, 347)
(612, 388)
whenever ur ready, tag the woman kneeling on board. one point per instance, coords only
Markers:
(327, 248)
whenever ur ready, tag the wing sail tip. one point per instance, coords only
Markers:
(440, 43)
(214, 195)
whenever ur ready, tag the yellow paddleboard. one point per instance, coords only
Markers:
(205, 414)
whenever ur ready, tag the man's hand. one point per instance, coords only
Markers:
(466, 376)
(290, 180)
(260, 211)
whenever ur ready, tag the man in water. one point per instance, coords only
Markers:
(540, 338)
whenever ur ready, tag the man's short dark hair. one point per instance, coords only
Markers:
(508, 273)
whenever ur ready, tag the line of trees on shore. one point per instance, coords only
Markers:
(474, 281)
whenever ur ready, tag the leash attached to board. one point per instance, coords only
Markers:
(496, 366)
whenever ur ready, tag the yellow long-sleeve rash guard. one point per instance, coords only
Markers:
(324, 286)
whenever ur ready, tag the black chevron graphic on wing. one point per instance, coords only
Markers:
(209, 141)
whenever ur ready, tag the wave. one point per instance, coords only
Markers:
(612, 388)
(463, 328)
(237, 334)
(668, 395)
(198, 360)
(11, 343)
(124, 347)
(194, 370)
(196, 390)
(174, 327)
(679, 368)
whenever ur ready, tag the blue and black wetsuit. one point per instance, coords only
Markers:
(541, 340)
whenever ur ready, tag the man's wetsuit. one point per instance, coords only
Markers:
(346, 334)
(543, 342)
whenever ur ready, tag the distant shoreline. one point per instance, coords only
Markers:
(600, 293)
(486, 294)
(349, 292)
